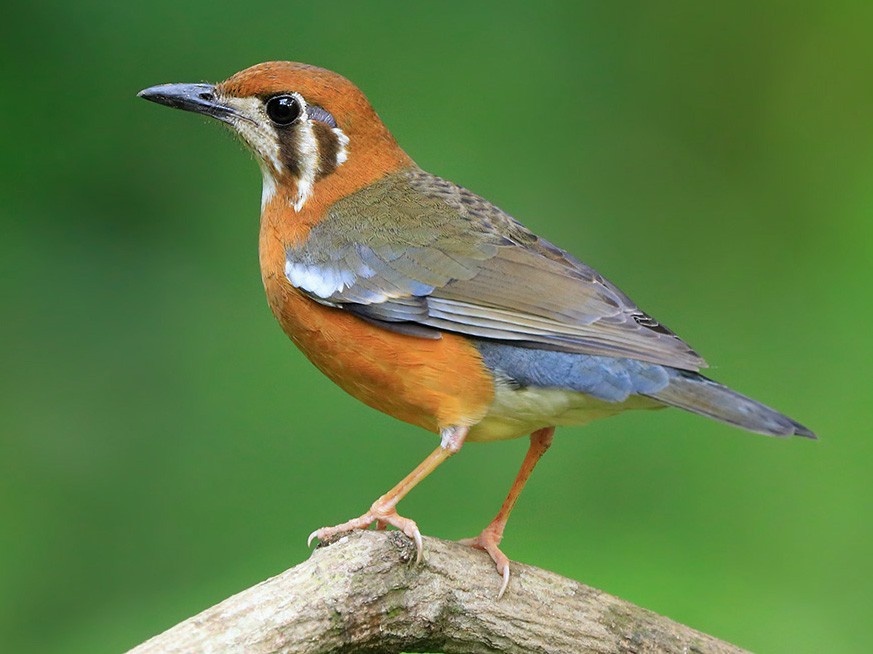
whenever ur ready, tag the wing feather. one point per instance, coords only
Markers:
(416, 253)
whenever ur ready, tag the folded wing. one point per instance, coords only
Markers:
(420, 255)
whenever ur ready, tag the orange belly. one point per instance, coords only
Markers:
(429, 383)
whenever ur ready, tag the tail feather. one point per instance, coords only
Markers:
(698, 394)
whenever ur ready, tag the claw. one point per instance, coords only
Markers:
(488, 540)
(409, 528)
(382, 518)
(326, 533)
(505, 582)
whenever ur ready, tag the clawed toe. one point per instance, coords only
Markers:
(489, 541)
(505, 583)
(382, 518)
(328, 533)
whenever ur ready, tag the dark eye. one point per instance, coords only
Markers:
(283, 109)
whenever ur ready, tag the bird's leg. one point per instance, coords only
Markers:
(489, 539)
(383, 511)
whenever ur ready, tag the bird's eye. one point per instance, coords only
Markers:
(283, 109)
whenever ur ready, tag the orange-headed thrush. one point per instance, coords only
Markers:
(427, 302)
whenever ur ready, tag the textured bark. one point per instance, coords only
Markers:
(364, 593)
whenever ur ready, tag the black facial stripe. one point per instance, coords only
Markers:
(328, 148)
(289, 148)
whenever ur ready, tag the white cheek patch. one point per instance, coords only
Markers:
(263, 139)
(269, 189)
(260, 137)
(308, 153)
(342, 154)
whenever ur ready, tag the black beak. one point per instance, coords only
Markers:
(200, 98)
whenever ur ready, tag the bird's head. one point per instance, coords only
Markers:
(313, 132)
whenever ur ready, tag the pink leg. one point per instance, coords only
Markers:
(489, 539)
(383, 511)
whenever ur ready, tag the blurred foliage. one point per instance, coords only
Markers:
(163, 445)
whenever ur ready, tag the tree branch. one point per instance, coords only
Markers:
(364, 593)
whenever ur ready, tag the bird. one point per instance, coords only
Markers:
(431, 304)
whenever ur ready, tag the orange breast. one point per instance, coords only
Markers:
(429, 383)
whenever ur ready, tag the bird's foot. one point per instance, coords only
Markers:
(383, 517)
(489, 540)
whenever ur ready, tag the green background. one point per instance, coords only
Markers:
(162, 443)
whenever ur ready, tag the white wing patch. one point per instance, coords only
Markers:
(322, 281)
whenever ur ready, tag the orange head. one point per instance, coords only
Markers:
(313, 132)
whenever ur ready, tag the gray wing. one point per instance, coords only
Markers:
(420, 255)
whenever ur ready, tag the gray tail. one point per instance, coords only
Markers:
(694, 392)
